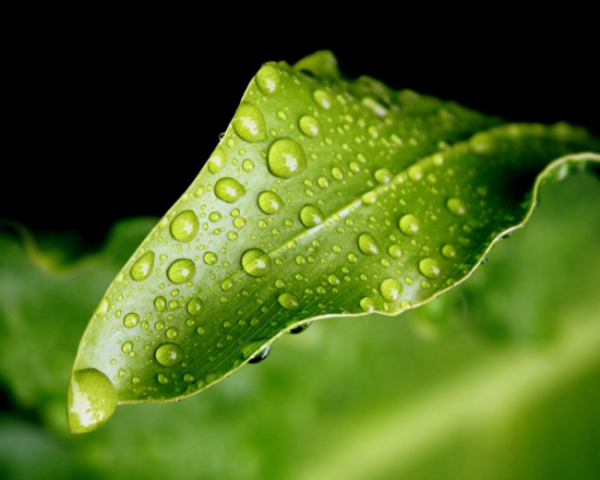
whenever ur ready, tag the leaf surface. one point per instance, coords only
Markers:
(325, 197)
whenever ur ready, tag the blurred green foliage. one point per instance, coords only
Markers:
(497, 379)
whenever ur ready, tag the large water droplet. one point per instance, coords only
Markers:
(310, 126)
(181, 270)
(390, 289)
(184, 226)
(323, 99)
(270, 202)
(169, 354)
(249, 123)
(256, 263)
(367, 244)
(91, 400)
(289, 301)
(430, 267)
(229, 190)
(286, 158)
(131, 320)
(395, 251)
(217, 160)
(409, 225)
(311, 216)
(457, 207)
(268, 79)
(260, 355)
(143, 267)
(160, 303)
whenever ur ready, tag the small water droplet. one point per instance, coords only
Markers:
(395, 251)
(131, 320)
(449, 251)
(323, 182)
(248, 165)
(383, 175)
(457, 207)
(261, 355)
(300, 328)
(91, 400)
(415, 173)
(169, 354)
(390, 289)
(369, 198)
(229, 190)
(249, 123)
(311, 216)
(430, 267)
(210, 258)
(127, 347)
(367, 304)
(239, 222)
(268, 79)
(143, 267)
(334, 280)
(409, 225)
(256, 263)
(185, 226)
(337, 173)
(172, 333)
(367, 244)
(323, 99)
(194, 306)
(289, 301)
(189, 378)
(310, 126)
(352, 258)
(286, 158)
(162, 378)
(216, 162)
(160, 303)
(181, 270)
(270, 202)
(214, 217)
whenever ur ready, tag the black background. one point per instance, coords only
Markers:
(106, 123)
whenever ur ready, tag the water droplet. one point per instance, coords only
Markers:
(323, 99)
(383, 175)
(268, 79)
(91, 400)
(323, 182)
(143, 267)
(249, 123)
(367, 244)
(160, 303)
(337, 173)
(430, 267)
(261, 355)
(415, 173)
(239, 222)
(482, 143)
(270, 202)
(185, 226)
(189, 378)
(390, 289)
(311, 216)
(369, 198)
(449, 251)
(229, 190)
(214, 217)
(310, 126)
(131, 320)
(352, 258)
(286, 158)
(194, 306)
(210, 258)
(395, 251)
(181, 270)
(301, 260)
(169, 354)
(409, 225)
(248, 165)
(289, 301)
(217, 161)
(300, 328)
(367, 304)
(127, 347)
(162, 378)
(172, 333)
(256, 263)
(457, 207)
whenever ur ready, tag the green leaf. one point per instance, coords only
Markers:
(325, 197)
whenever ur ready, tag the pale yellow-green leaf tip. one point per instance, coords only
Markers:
(91, 400)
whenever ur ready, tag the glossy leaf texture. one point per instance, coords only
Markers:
(325, 197)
